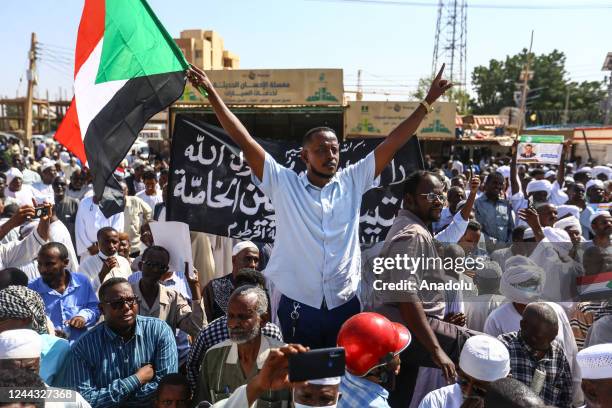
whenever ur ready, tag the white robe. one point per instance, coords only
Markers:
(152, 200)
(91, 267)
(89, 220)
(445, 397)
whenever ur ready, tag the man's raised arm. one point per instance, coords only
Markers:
(385, 151)
(253, 152)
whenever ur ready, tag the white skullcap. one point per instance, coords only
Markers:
(13, 173)
(484, 358)
(596, 183)
(563, 210)
(598, 214)
(243, 245)
(539, 185)
(491, 270)
(326, 381)
(21, 343)
(568, 222)
(47, 165)
(584, 169)
(569, 179)
(556, 234)
(518, 270)
(504, 170)
(596, 362)
(550, 173)
(597, 170)
(528, 234)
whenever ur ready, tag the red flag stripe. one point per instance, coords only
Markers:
(597, 278)
(91, 31)
(69, 133)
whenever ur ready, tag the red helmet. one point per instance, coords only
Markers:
(371, 340)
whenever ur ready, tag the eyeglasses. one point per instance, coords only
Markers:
(431, 197)
(157, 265)
(118, 304)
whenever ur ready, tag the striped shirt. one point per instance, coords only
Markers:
(102, 366)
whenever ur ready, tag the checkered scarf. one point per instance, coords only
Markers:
(19, 302)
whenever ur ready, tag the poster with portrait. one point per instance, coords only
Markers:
(540, 149)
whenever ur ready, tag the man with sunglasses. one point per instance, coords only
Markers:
(421, 311)
(121, 361)
(483, 360)
(158, 300)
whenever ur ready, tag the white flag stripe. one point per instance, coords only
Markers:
(90, 97)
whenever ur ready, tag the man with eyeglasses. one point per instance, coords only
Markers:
(421, 311)
(156, 299)
(121, 361)
(483, 360)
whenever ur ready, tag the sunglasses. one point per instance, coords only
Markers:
(118, 304)
(157, 265)
(431, 197)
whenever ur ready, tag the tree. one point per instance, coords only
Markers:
(496, 85)
(460, 97)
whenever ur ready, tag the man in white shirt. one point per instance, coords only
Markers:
(317, 218)
(483, 360)
(21, 252)
(107, 263)
(45, 186)
(89, 220)
(151, 194)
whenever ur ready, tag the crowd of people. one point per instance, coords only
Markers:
(508, 307)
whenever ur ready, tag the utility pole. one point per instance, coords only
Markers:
(525, 76)
(608, 67)
(359, 95)
(566, 110)
(30, 95)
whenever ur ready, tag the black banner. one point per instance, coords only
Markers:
(210, 186)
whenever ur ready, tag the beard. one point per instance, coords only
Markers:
(243, 336)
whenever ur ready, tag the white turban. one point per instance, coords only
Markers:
(21, 343)
(563, 210)
(485, 358)
(550, 173)
(13, 173)
(598, 214)
(558, 238)
(47, 164)
(596, 183)
(596, 362)
(519, 270)
(584, 169)
(504, 170)
(326, 381)
(243, 245)
(568, 222)
(597, 170)
(539, 185)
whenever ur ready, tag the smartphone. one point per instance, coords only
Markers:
(41, 211)
(315, 364)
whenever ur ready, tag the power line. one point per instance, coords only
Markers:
(480, 6)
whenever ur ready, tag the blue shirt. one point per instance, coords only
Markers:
(79, 299)
(495, 217)
(359, 392)
(102, 366)
(316, 252)
(53, 355)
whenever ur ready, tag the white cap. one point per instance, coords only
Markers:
(485, 358)
(584, 169)
(47, 164)
(21, 343)
(550, 173)
(596, 183)
(597, 170)
(528, 234)
(539, 185)
(564, 209)
(504, 170)
(243, 245)
(326, 381)
(596, 362)
(598, 214)
(568, 222)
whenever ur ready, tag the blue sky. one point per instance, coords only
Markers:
(392, 44)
